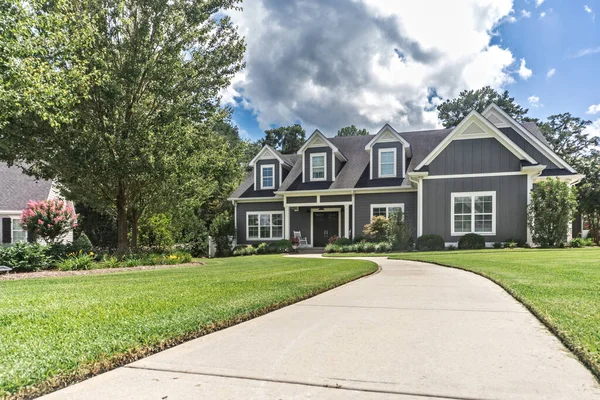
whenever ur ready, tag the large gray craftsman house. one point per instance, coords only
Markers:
(475, 177)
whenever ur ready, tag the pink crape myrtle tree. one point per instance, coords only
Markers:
(49, 220)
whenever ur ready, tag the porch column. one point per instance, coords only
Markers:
(286, 223)
(347, 221)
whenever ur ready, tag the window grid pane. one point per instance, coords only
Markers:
(473, 214)
(267, 177)
(265, 226)
(379, 212)
(387, 163)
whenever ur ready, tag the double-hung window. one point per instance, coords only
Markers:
(18, 234)
(267, 174)
(318, 167)
(474, 213)
(265, 225)
(387, 163)
(385, 210)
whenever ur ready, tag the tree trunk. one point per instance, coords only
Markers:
(135, 217)
(121, 221)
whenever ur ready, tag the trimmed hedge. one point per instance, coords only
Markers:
(430, 243)
(362, 247)
(471, 241)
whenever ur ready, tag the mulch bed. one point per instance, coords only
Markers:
(99, 271)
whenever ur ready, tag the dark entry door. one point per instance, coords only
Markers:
(325, 225)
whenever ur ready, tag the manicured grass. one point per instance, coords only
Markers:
(561, 286)
(58, 330)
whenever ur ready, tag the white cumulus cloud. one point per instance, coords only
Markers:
(534, 101)
(550, 73)
(538, 2)
(593, 129)
(590, 11)
(332, 63)
(524, 72)
(525, 14)
(593, 109)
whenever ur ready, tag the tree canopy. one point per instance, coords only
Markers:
(452, 111)
(142, 81)
(287, 139)
(352, 131)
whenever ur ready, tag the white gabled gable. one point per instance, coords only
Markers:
(385, 135)
(317, 139)
(499, 118)
(267, 153)
(475, 126)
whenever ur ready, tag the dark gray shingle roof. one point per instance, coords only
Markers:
(16, 188)
(533, 128)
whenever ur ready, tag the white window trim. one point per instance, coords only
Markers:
(387, 208)
(262, 178)
(259, 213)
(313, 155)
(12, 231)
(385, 150)
(473, 195)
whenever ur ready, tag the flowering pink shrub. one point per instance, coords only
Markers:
(48, 219)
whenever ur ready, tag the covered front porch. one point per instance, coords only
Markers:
(318, 218)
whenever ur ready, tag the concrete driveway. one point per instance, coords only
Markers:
(412, 331)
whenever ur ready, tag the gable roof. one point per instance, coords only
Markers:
(268, 149)
(318, 136)
(16, 188)
(385, 129)
(473, 126)
(533, 135)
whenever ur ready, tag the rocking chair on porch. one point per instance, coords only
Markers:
(301, 240)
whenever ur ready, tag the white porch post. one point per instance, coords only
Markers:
(529, 189)
(347, 221)
(286, 223)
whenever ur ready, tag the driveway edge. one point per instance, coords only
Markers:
(581, 355)
(87, 371)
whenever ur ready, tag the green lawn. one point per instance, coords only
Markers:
(58, 330)
(561, 286)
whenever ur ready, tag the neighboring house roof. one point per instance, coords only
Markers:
(16, 188)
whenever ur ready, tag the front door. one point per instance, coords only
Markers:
(325, 225)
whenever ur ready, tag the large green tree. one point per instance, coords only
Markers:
(352, 131)
(135, 131)
(452, 111)
(287, 139)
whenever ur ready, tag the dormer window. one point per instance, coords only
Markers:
(387, 163)
(318, 167)
(267, 173)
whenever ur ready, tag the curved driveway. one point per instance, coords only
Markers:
(413, 330)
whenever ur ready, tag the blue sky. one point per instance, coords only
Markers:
(331, 63)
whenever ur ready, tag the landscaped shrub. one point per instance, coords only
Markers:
(342, 241)
(245, 251)
(222, 230)
(511, 245)
(518, 242)
(49, 219)
(430, 243)
(399, 232)
(156, 231)
(581, 242)
(383, 247)
(76, 262)
(451, 247)
(24, 257)
(262, 248)
(82, 243)
(471, 241)
(109, 261)
(377, 229)
(333, 239)
(497, 245)
(283, 246)
(550, 212)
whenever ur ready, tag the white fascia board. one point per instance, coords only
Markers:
(317, 134)
(386, 127)
(530, 137)
(475, 116)
(270, 150)
(329, 192)
(255, 199)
